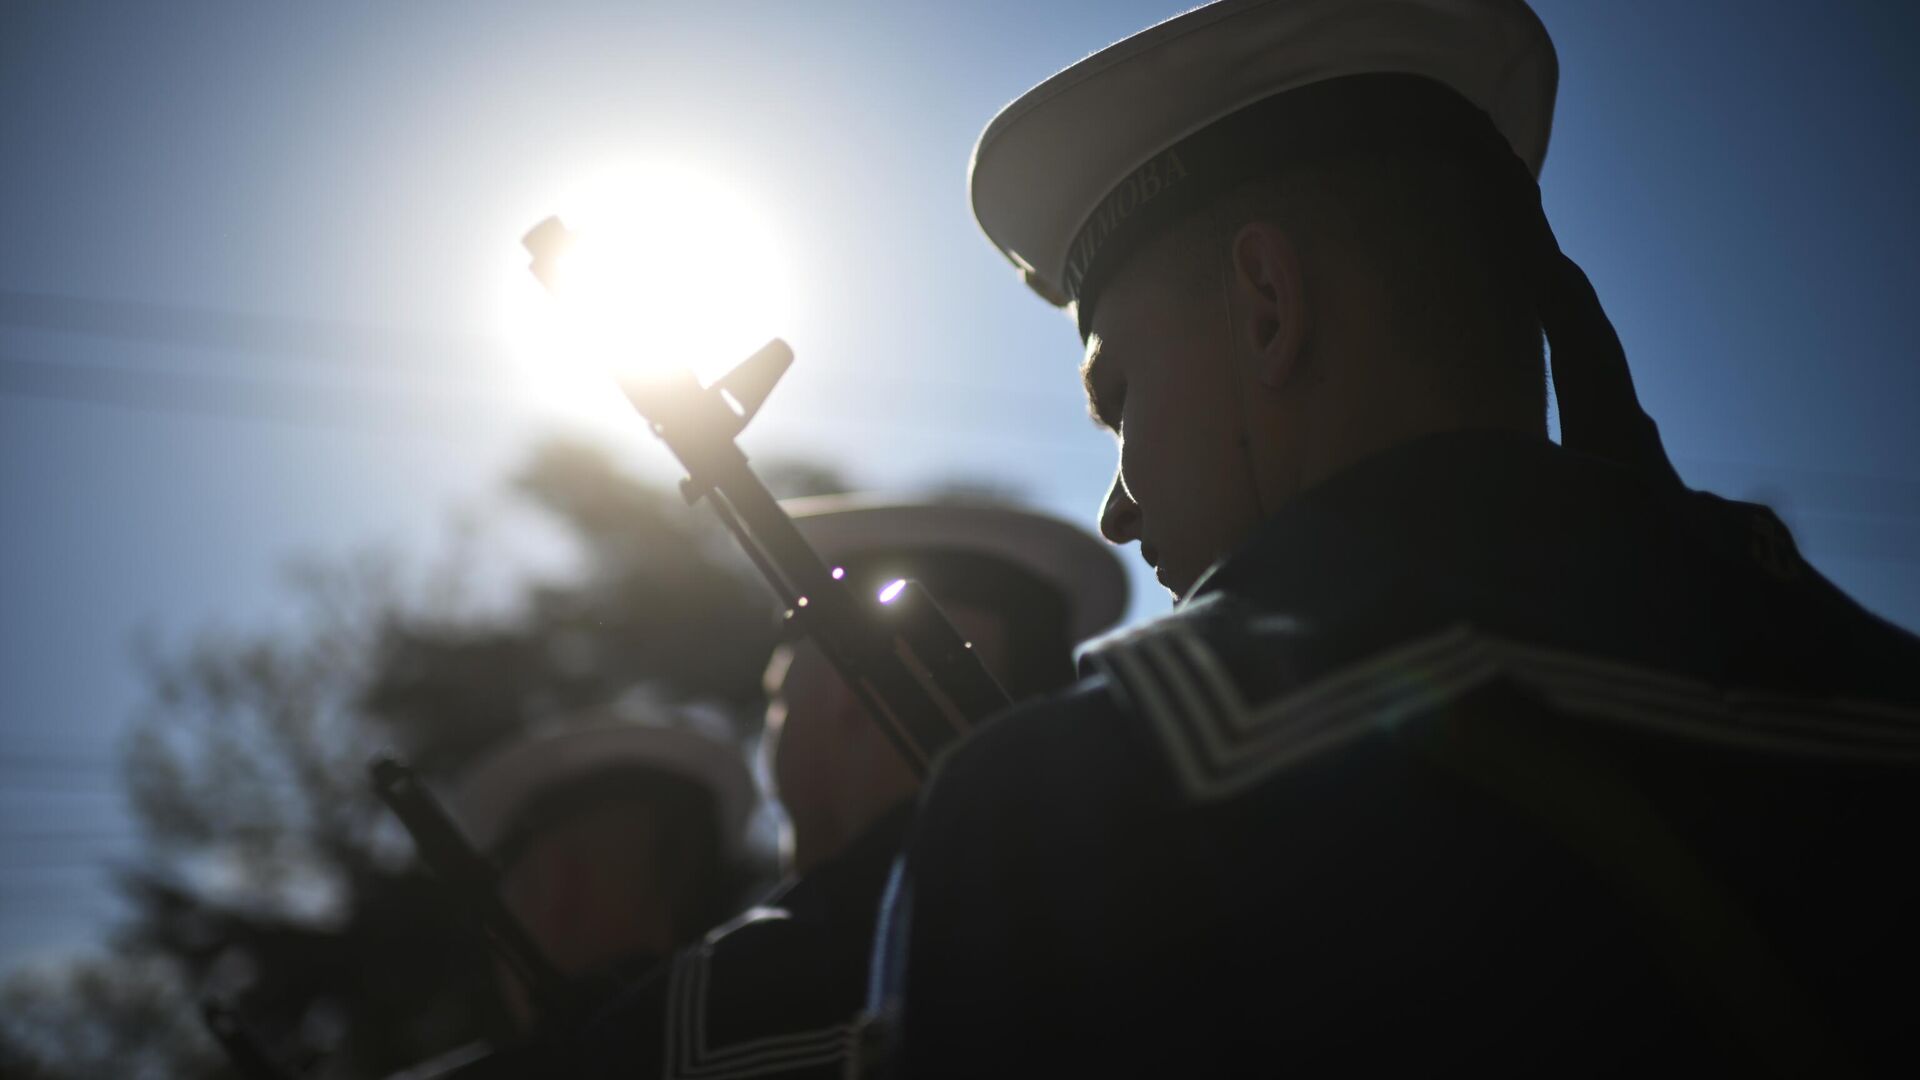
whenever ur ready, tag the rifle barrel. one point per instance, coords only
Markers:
(470, 876)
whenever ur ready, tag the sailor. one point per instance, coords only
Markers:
(620, 834)
(619, 837)
(777, 991)
(1464, 751)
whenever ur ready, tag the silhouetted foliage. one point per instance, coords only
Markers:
(126, 1017)
(271, 875)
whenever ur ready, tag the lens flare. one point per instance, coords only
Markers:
(671, 268)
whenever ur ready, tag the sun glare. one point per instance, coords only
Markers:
(670, 268)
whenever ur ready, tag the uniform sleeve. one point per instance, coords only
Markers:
(960, 930)
(964, 962)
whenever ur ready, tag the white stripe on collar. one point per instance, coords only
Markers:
(1220, 746)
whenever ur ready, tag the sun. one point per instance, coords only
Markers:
(672, 267)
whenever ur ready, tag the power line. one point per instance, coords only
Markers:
(224, 396)
(372, 410)
(387, 409)
(384, 350)
(1829, 491)
(388, 350)
(325, 340)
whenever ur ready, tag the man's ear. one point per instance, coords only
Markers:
(1269, 303)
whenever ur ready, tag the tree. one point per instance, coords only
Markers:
(271, 874)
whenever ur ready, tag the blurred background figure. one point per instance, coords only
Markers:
(1022, 587)
(783, 983)
(618, 840)
(620, 835)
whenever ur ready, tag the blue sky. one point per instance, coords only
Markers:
(343, 186)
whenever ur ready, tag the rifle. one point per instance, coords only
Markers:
(917, 677)
(473, 881)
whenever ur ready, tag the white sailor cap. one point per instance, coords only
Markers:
(1084, 571)
(610, 746)
(1082, 168)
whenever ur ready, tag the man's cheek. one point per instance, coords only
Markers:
(1143, 460)
(1129, 478)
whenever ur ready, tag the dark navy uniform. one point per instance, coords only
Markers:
(774, 993)
(1485, 755)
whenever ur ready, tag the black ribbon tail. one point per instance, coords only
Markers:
(1599, 412)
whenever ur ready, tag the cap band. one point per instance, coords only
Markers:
(1334, 118)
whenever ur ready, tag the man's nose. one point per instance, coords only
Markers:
(1119, 516)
